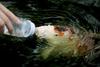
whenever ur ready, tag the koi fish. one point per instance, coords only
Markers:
(63, 40)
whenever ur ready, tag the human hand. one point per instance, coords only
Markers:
(7, 18)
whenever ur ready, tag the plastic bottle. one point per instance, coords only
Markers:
(25, 29)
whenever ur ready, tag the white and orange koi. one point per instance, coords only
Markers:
(63, 40)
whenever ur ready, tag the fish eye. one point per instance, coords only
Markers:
(56, 34)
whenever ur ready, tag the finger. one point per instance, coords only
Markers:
(7, 21)
(1, 25)
(14, 18)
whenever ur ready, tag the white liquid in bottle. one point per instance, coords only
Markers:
(25, 29)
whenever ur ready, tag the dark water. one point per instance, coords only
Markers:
(18, 52)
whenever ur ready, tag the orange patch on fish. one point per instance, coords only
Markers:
(58, 31)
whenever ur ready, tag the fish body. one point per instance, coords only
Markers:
(62, 40)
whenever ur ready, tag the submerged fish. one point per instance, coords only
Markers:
(64, 41)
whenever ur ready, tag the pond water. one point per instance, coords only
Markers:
(26, 51)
